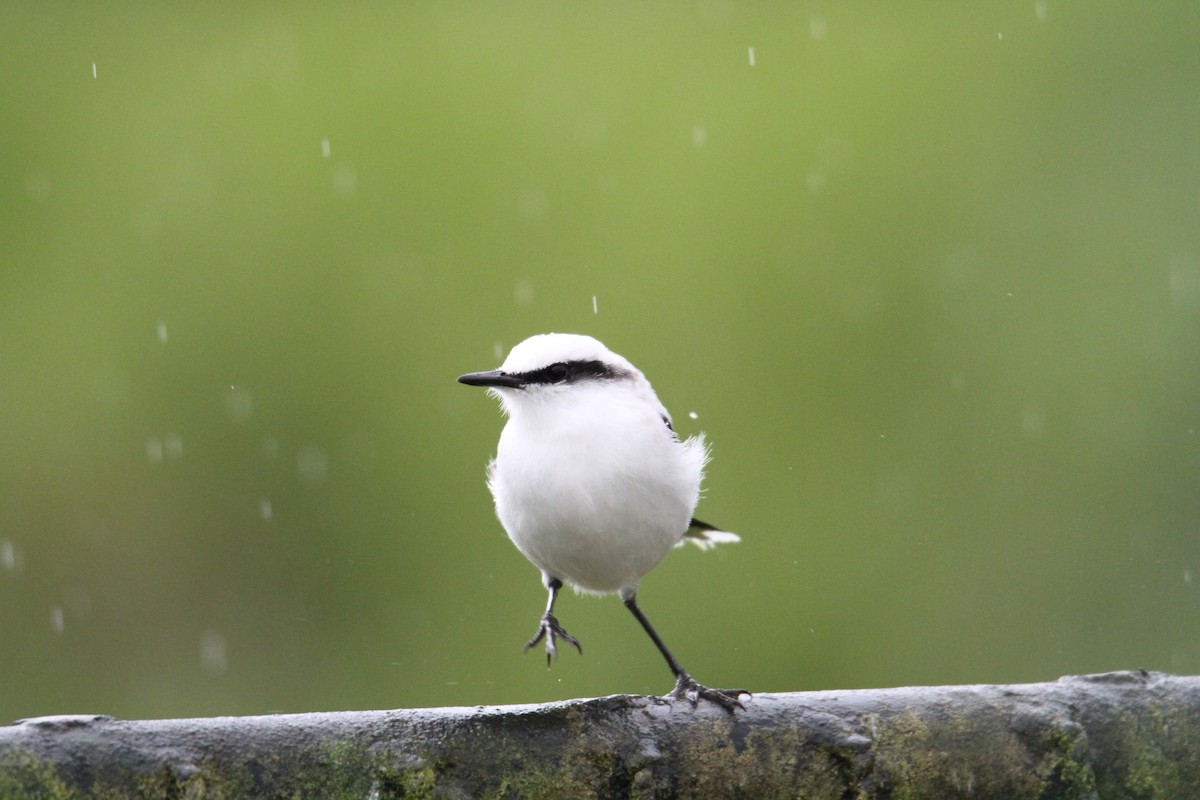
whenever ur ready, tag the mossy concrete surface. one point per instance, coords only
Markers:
(1132, 735)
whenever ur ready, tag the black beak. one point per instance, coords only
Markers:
(493, 378)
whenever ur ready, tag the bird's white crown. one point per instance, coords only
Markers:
(545, 349)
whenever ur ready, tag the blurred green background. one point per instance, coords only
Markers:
(928, 276)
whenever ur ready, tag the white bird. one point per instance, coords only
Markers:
(590, 480)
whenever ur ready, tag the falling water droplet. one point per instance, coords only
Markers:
(10, 559)
(214, 653)
(239, 403)
(312, 464)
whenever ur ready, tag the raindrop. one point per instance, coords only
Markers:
(162, 332)
(214, 653)
(345, 182)
(93, 69)
(325, 149)
(699, 135)
(595, 308)
(751, 53)
(264, 509)
(173, 446)
(523, 293)
(10, 558)
(818, 28)
(37, 186)
(312, 464)
(693, 415)
(154, 450)
(56, 619)
(1040, 11)
(239, 402)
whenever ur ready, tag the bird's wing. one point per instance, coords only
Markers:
(706, 536)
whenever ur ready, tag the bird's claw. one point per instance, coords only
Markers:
(686, 688)
(551, 631)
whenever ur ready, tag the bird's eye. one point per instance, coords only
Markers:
(557, 372)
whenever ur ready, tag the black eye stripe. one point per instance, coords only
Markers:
(568, 371)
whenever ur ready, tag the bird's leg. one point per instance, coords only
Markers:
(686, 686)
(549, 629)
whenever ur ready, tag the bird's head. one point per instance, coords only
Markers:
(550, 365)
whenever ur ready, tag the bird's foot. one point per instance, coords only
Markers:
(686, 688)
(551, 631)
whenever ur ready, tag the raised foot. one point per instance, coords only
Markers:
(686, 688)
(551, 631)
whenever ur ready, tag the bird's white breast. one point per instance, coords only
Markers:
(597, 491)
